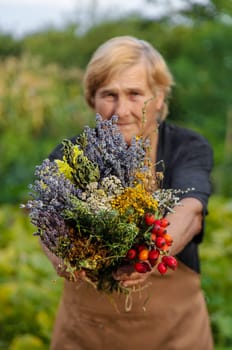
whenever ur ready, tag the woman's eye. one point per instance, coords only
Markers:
(110, 95)
(134, 94)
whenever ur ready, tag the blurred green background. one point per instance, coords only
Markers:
(41, 102)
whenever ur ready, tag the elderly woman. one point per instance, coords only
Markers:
(124, 77)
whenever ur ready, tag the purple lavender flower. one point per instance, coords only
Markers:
(52, 194)
(106, 147)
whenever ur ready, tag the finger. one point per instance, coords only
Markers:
(131, 283)
(80, 274)
(133, 276)
(60, 269)
(134, 279)
(62, 272)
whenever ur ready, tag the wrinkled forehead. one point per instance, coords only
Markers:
(138, 70)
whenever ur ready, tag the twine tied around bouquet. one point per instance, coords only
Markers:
(129, 296)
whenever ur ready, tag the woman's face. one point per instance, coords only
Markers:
(129, 96)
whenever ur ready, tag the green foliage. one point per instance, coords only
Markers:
(26, 341)
(223, 7)
(216, 253)
(74, 49)
(29, 291)
(9, 46)
(198, 11)
(64, 43)
(40, 105)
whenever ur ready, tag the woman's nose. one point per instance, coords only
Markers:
(122, 107)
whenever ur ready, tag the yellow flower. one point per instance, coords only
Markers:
(76, 152)
(65, 169)
(135, 201)
(140, 177)
(63, 165)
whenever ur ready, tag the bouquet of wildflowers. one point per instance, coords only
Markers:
(99, 207)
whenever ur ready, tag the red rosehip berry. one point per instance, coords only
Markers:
(164, 222)
(160, 242)
(165, 248)
(142, 267)
(149, 219)
(171, 262)
(148, 266)
(155, 229)
(141, 247)
(161, 231)
(131, 254)
(153, 237)
(168, 239)
(158, 230)
(153, 254)
(164, 259)
(162, 268)
(153, 262)
(157, 222)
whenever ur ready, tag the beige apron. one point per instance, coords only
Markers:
(170, 314)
